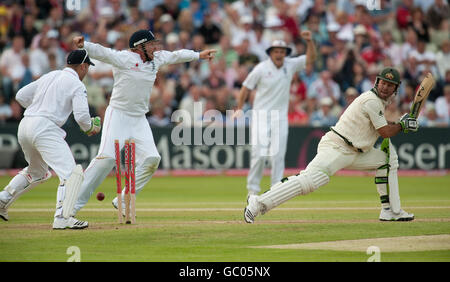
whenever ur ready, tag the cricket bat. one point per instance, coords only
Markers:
(421, 95)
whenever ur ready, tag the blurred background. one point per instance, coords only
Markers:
(355, 39)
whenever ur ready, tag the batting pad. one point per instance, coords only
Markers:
(300, 184)
(73, 185)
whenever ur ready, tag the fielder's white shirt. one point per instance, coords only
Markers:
(54, 96)
(134, 79)
(273, 83)
(360, 121)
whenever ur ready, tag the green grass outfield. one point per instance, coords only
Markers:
(199, 219)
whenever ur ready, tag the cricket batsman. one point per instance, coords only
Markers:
(49, 101)
(269, 121)
(350, 144)
(134, 72)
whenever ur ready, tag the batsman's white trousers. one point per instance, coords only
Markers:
(121, 126)
(333, 155)
(43, 145)
(269, 142)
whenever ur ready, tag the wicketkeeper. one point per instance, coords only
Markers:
(49, 101)
(350, 144)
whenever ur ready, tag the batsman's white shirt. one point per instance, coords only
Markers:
(133, 79)
(360, 121)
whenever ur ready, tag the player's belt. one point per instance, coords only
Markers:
(347, 141)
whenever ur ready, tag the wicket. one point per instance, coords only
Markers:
(130, 184)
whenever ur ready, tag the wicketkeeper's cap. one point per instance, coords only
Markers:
(140, 37)
(279, 44)
(78, 57)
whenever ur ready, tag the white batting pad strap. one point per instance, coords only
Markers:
(71, 192)
(302, 184)
(381, 187)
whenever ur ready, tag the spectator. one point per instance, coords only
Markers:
(296, 115)
(429, 117)
(158, 118)
(39, 61)
(392, 49)
(244, 31)
(374, 52)
(308, 75)
(209, 30)
(419, 24)
(167, 25)
(424, 59)
(27, 30)
(360, 80)
(438, 13)
(443, 104)
(5, 110)
(12, 68)
(404, 13)
(443, 58)
(324, 87)
(193, 103)
(259, 46)
(323, 117)
(226, 52)
(350, 95)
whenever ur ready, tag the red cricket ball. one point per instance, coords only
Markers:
(100, 196)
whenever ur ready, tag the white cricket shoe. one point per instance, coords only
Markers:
(252, 210)
(70, 223)
(3, 211)
(389, 215)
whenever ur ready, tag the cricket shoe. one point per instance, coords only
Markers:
(3, 211)
(389, 215)
(252, 210)
(70, 223)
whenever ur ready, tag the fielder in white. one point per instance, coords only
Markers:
(134, 72)
(49, 101)
(349, 145)
(269, 120)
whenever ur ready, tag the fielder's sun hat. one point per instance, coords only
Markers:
(140, 37)
(279, 44)
(78, 57)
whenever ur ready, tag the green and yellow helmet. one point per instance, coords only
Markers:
(389, 74)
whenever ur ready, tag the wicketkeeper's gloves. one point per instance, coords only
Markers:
(96, 126)
(408, 123)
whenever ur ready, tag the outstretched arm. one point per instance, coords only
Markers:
(101, 53)
(183, 56)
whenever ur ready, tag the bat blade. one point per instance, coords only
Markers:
(421, 95)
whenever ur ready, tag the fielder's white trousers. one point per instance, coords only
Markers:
(121, 126)
(269, 141)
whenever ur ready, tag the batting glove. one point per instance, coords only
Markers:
(96, 126)
(408, 123)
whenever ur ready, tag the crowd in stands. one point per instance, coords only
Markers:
(354, 42)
